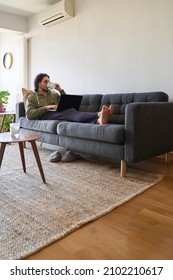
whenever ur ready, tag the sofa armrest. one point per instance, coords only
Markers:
(148, 130)
(20, 111)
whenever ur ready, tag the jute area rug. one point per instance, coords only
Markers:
(34, 214)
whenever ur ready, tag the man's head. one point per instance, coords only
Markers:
(41, 81)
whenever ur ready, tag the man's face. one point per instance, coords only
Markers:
(43, 84)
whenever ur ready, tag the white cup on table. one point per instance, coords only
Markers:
(14, 129)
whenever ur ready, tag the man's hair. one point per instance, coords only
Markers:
(38, 80)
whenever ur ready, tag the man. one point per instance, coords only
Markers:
(42, 101)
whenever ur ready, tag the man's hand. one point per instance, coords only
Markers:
(58, 87)
(50, 107)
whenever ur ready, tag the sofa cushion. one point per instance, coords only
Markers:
(90, 103)
(26, 93)
(111, 133)
(39, 125)
(119, 102)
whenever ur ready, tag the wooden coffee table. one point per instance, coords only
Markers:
(6, 138)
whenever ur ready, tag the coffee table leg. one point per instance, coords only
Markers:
(37, 157)
(22, 156)
(2, 150)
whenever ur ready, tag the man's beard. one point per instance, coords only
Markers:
(45, 89)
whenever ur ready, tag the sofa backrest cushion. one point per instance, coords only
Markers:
(91, 103)
(119, 102)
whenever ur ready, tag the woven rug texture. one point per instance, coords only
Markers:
(34, 214)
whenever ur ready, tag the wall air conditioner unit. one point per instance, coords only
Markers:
(59, 12)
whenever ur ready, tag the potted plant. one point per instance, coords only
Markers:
(4, 95)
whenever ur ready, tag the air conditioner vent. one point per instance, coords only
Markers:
(51, 20)
(61, 11)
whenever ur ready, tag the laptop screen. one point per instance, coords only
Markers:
(68, 101)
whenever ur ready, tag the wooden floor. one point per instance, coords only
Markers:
(140, 229)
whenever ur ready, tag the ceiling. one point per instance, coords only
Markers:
(25, 8)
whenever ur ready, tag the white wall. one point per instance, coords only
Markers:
(12, 28)
(14, 78)
(13, 22)
(109, 46)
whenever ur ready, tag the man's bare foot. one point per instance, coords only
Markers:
(103, 119)
(110, 109)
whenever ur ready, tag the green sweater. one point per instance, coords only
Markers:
(36, 102)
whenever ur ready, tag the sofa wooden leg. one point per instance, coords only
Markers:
(123, 168)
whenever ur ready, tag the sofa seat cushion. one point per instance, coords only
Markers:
(109, 133)
(39, 125)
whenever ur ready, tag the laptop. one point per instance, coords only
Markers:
(67, 101)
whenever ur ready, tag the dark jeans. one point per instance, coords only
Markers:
(71, 115)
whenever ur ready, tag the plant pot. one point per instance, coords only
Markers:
(2, 108)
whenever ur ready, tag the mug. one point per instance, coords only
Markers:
(51, 85)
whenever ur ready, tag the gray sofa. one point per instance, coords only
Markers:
(141, 127)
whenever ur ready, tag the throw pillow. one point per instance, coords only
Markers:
(26, 93)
